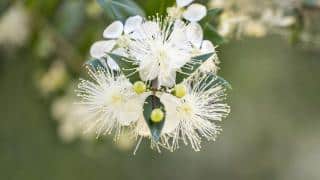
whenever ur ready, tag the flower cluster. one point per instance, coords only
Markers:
(255, 18)
(156, 77)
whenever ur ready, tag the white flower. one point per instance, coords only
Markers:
(118, 38)
(111, 99)
(193, 13)
(195, 115)
(54, 79)
(161, 48)
(72, 118)
(14, 26)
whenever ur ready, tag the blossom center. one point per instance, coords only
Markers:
(123, 41)
(186, 109)
(160, 54)
(116, 99)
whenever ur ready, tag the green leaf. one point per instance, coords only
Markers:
(213, 80)
(128, 67)
(153, 102)
(211, 16)
(189, 68)
(212, 34)
(214, 12)
(153, 7)
(121, 9)
(95, 64)
(311, 4)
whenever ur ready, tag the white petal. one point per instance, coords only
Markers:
(195, 34)
(142, 128)
(178, 35)
(114, 30)
(174, 63)
(131, 112)
(172, 121)
(147, 74)
(207, 47)
(100, 48)
(150, 28)
(146, 30)
(183, 3)
(112, 64)
(148, 69)
(132, 23)
(179, 24)
(195, 12)
(167, 79)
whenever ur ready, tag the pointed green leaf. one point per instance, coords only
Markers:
(96, 63)
(153, 102)
(121, 9)
(153, 7)
(212, 15)
(213, 80)
(189, 68)
(128, 67)
(214, 12)
(212, 34)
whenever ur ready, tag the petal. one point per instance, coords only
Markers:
(112, 64)
(174, 63)
(195, 12)
(114, 30)
(183, 3)
(178, 35)
(172, 121)
(132, 23)
(207, 47)
(195, 34)
(147, 74)
(100, 48)
(167, 79)
(147, 30)
(148, 68)
(142, 128)
(131, 112)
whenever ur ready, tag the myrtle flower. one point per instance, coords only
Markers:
(193, 13)
(163, 89)
(15, 26)
(112, 100)
(156, 47)
(193, 117)
(118, 38)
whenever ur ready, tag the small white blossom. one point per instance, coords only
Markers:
(194, 116)
(14, 26)
(112, 100)
(118, 38)
(161, 48)
(193, 13)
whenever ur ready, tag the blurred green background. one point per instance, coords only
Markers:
(271, 134)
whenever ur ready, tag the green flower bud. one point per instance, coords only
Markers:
(157, 115)
(139, 87)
